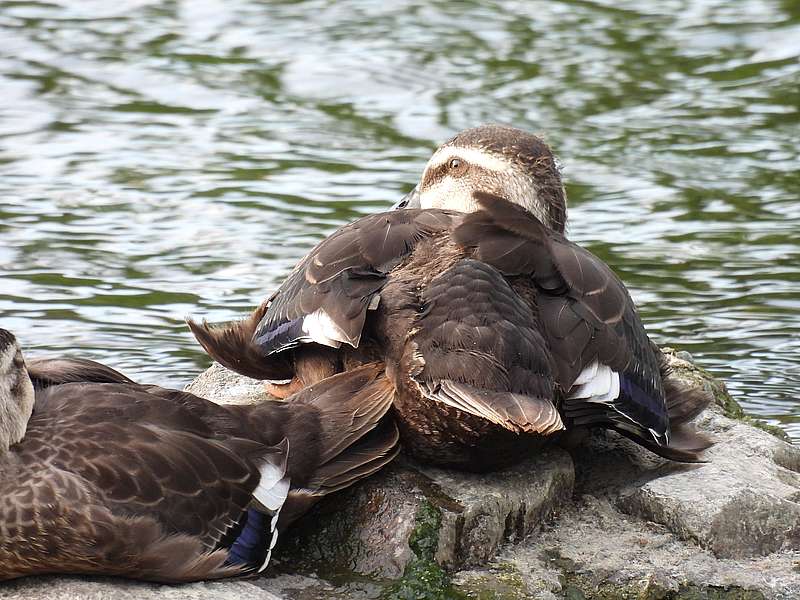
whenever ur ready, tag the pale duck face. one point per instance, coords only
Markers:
(499, 160)
(16, 392)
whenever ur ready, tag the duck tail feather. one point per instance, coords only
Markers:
(350, 405)
(374, 451)
(683, 444)
(232, 346)
(684, 402)
(158, 556)
(686, 444)
(178, 559)
(357, 437)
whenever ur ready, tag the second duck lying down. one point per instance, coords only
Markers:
(99, 475)
(497, 332)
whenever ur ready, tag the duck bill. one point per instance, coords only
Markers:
(410, 200)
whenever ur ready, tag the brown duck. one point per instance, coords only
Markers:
(99, 475)
(497, 332)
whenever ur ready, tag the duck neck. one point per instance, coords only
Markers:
(16, 406)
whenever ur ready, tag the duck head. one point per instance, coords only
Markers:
(503, 161)
(16, 392)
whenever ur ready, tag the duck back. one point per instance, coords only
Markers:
(157, 484)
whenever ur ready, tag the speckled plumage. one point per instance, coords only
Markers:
(485, 320)
(500, 311)
(116, 478)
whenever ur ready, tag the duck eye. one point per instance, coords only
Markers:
(454, 164)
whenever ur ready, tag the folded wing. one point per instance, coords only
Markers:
(326, 298)
(604, 363)
(475, 346)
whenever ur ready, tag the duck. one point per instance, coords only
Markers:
(497, 333)
(100, 475)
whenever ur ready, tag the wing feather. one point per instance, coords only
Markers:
(146, 455)
(586, 313)
(476, 346)
(341, 277)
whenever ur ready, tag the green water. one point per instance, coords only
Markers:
(164, 158)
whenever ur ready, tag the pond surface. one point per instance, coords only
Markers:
(164, 158)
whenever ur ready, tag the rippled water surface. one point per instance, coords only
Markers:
(162, 158)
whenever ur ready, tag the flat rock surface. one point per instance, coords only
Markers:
(743, 503)
(605, 520)
(596, 551)
(74, 588)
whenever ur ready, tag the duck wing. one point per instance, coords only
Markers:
(356, 435)
(338, 431)
(145, 455)
(604, 362)
(325, 299)
(476, 346)
(45, 372)
(55, 523)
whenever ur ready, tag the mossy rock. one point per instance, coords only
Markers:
(423, 578)
(578, 584)
(499, 581)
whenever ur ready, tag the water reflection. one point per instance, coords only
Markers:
(167, 157)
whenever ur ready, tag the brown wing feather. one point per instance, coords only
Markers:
(145, 455)
(343, 273)
(45, 372)
(374, 451)
(586, 309)
(586, 312)
(53, 523)
(347, 419)
(476, 346)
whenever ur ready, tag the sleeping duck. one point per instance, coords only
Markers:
(99, 475)
(497, 332)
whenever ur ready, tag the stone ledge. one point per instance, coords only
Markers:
(368, 530)
(78, 588)
(742, 503)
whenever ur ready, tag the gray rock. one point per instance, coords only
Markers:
(226, 387)
(74, 588)
(742, 503)
(594, 550)
(480, 512)
(461, 518)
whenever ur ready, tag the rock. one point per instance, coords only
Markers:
(226, 387)
(457, 519)
(744, 502)
(74, 588)
(596, 551)
(606, 520)
(500, 580)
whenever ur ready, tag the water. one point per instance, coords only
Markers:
(164, 158)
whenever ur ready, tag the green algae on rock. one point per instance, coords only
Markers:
(423, 578)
